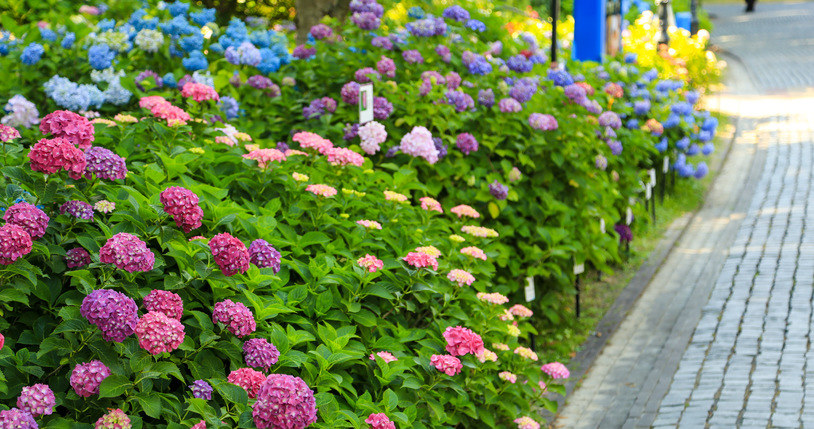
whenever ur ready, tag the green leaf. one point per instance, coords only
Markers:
(113, 386)
(151, 404)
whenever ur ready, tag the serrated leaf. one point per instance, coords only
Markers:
(113, 386)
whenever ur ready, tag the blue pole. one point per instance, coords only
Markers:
(589, 30)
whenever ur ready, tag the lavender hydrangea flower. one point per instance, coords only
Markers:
(519, 63)
(456, 13)
(509, 105)
(466, 143)
(264, 255)
(77, 209)
(615, 147)
(461, 100)
(498, 190)
(201, 389)
(610, 119)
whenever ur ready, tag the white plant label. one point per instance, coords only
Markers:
(648, 191)
(666, 168)
(579, 269)
(365, 103)
(602, 225)
(629, 216)
(530, 294)
(652, 176)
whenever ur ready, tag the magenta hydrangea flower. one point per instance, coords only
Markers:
(127, 252)
(556, 370)
(264, 255)
(2, 341)
(201, 389)
(386, 66)
(238, 319)
(77, 209)
(86, 377)
(104, 164)
(70, 126)
(259, 353)
(449, 365)
(17, 419)
(50, 156)
(350, 92)
(182, 205)
(542, 122)
(158, 333)
(421, 260)
(321, 31)
(200, 425)
(461, 341)
(114, 419)
(8, 134)
(379, 421)
(284, 401)
(230, 254)
(199, 92)
(509, 105)
(165, 302)
(302, 52)
(28, 217)
(113, 312)
(14, 243)
(38, 400)
(466, 143)
(366, 74)
(366, 20)
(249, 379)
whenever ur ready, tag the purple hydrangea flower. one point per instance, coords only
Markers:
(456, 13)
(440, 147)
(486, 97)
(113, 312)
(412, 56)
(461, 100)
(381, 108)
(498, 190)
(519, 63)
(260, 353)
(264, 255)
(625, 234)
(351, 131)
(466, 143)
(542, 122)
(201, 389)
(382, 42)
(104, 164)
(523, 90)
(350, 92)
(77, 209)
(366, 20)
(509, 105)
(610, 119)
(615, 147)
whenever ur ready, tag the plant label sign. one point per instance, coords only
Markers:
(365, 103)
(629, 216)
(579, 269)
(652, 173)
(602, 225)
(648, 191)
(666, 168)
(530, 294)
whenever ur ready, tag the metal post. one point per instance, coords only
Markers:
(664, 38)
(694, 13)
(555, 16)
(577, 298)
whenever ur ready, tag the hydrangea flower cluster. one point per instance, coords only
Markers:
(466, 143)
(77, 257)
(247, 378)
(526, 353)
(22, 113)
(37, 400)
(321, 190)
(520, 310)
(430, 204)
(127, 252)
(465, 210)
(370, 262)
(508, 376)
(449, 365)
(556, 370)
(51, 155)
(17, 419)
(259, 353)
(493, 298)
(14, 243)
(77, 209)
(166, 302)
(284, 401)
(239, 320)
(341, 156)
(526, 422)
(70, 126)
(499, 190)
(461, 277)
(418, 143)
(379, 421)
(462, 341)
(114, 419)
(113, 312)
(372, 135)
(479, 231)
(8, 134)
(199, 92)
(265, 157)
(308, 140)
(474, 252)
(158, 333)
(387, 357)
(86, 377)
(104, 164)
(230, 254)
(421, 260)
(542, 122)
(264, 255)
(369, 224)
(28, 217)
(201, 389)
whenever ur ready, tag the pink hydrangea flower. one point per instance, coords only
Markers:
(449, 365)
(308, 140)
(461, 277)
(8, 134)
(284, 401)
(14, 243)
(418, 143)
(17, 419)
(614, 90)
(182, 205)
(372, 135)
(429, 250)
(264, 157)
(386, 66)
(165, 302)
(113, 312)
(172, 114)
(507, 376)
(199, 92)
(369, 224)
(520, 311)
(500, 346)
(556, 370)
(264, 255)
(77, 257)
(238, 319)
(474, 252)
(249, 379)
(654, 126)
(479, 231)
(70, 126)
(86, 377)
(115, 419)
(387, 357)
(493, 298)
(379, 421)
(127, 252)
(431, 204)
(486, 355)
(526, 422)
(341, 156)
(370, 262)
(158, 333)
(151, 101)
(50, 156)
(2, 341)
(462, 341)
(230, 254)
(395, 196)
(321, 190)
(526, 353)
(542, 122)
(38, 400)
(421, 260)
(28, 217)
(200, 425)
(259, 353)
(465, 210)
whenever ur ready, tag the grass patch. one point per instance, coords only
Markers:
(598, 293)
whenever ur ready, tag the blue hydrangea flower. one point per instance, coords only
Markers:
(683, 143)
(708, 148)
(710, 124)
(519, 63)
(203, 17)
(693, 150)
(705, 136)
(415, 12)
(100, 57)
(32, 53)
(475, 25)
(560, 77)
(682, 108)
(662, 145)
(169, 80)
(178, 8)
(480, 66)
(195, 61)
(632, 123)
(106, 25)
(178, 26)
(192, 43)
(701, 170)
(672, 121)
(641, 107)
(68, 40)
(48, 34)
(631, 58)
(456, 13)
(116, 94)
(229, 106)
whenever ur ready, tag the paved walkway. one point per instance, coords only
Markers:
(721, 336)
